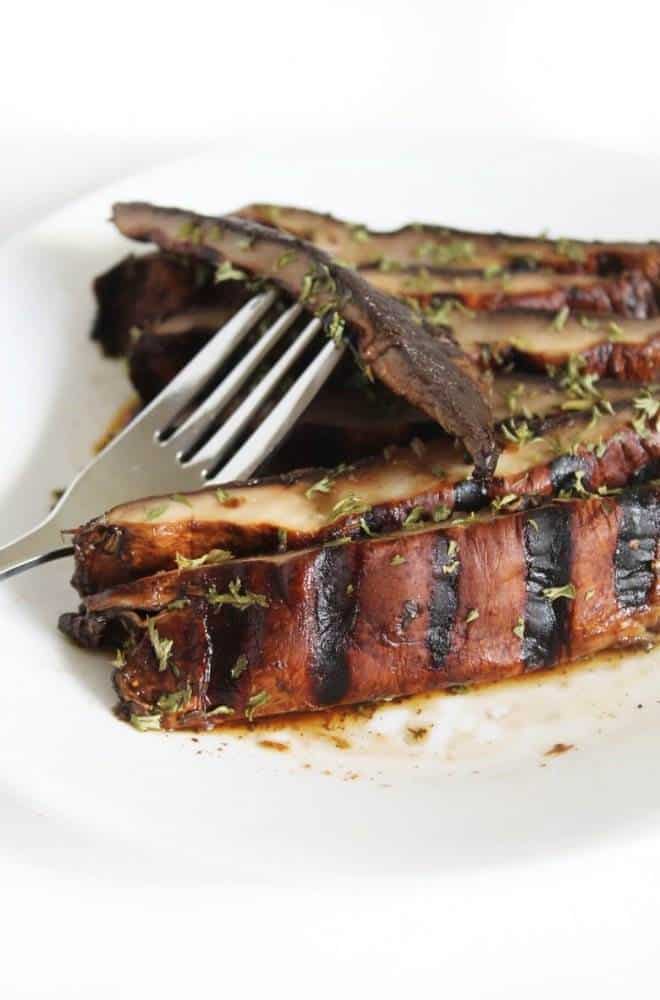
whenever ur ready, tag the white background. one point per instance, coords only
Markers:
(90, 92)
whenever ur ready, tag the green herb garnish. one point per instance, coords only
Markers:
(441, 315)
(440, 513)
(519, 628)
(307, 286)
(554, 593)
(208, 559)
(161, 647)
(359, 234)
(219, 710)
(387, 264)
(190, 231)
(559, 322)
(235, 598)
(227, 272)
(144, 723)
(513, 398)
(499, 502)
(576, 405)
(180, 498)
(519, 433)
(570, 249)
(176, 700)
(155, 512)
(578, 485)
(414, 517)
(577, 381)
(350, 504)
(254, 702)
(452, 551)
(239, 667)
(647, 404)
(588, 324)
(447, 253)
(323, 485)
(647, 407)
(287, 257)
(397, 560)
(336, 327)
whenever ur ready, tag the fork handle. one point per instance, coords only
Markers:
(40, 545)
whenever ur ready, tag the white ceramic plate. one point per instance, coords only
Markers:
(480, 791)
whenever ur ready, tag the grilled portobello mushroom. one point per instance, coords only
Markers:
(514, 323)
(552, 440)
(377, 618)
(408, 570)
(425, 245)
(630, 294)
(420, 362)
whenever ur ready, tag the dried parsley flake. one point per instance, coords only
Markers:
(161, 647)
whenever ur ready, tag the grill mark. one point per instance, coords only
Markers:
(444, 601)
(334, 616)
(521, 264)
(609, 264)
(234, 632)
(563, 471)
(469, 495)
(646, 473)
(548, 564)
(635, 550)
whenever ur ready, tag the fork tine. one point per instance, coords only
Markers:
(192, 427)
(271, 431)
(213, 449)
(164, 408)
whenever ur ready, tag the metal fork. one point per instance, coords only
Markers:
(172, 445)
